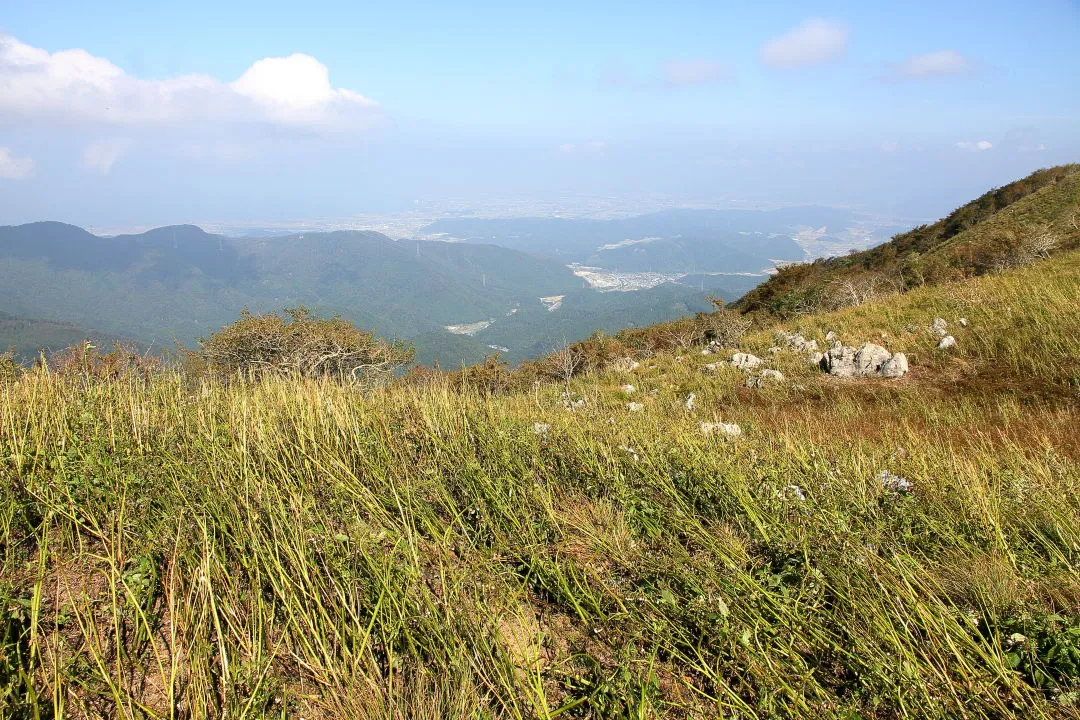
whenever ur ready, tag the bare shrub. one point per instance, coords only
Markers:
(301, 345)
(683, 334)
(724, 327)
(848, 292)
(1041, 242)
(123, 362)
(564, 363)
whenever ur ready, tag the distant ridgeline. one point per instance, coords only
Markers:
(1004, 228)
(457, 301)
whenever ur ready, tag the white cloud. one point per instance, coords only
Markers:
(814, 41)
(690, 73)
(975, 146)
(102, 155)
(14, 168)
(941, 63)
(73, 84)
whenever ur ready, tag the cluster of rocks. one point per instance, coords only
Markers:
(870, 360)
(796, 342)
(941, 328)
(570, 402)
(749, 364)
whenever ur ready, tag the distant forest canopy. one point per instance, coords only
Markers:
(173, 285)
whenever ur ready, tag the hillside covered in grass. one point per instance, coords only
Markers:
(662, 540)
(1003, 228)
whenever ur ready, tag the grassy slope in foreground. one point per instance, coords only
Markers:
(301, 549)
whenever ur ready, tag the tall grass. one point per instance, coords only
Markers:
(304, 549)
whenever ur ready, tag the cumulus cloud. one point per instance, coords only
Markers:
(14, 168)
(690, 73)
(814, 41)
(102, 155)
(978, 146)
(928, 66)
(75, 85)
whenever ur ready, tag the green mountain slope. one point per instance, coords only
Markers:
(28, 336)
(1005, 227)
(175, 284)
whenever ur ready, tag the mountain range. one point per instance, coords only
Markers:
(465, 289)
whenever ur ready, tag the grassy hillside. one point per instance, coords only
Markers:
(865, 549)
(1005, 227)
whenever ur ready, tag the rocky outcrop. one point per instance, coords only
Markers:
(797, 342)
(870, 360)
(745, 361)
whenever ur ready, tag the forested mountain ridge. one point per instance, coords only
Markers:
(175, 284)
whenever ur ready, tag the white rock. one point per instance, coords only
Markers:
(541, 428)
(894, 483)
(706, 351)
(797, 491)
(894, 367)
(712, 367)
(635, 407)
(946, 342)
(772, 375)
(628, 389)
(963, 322)
(745, 361)
(729, 429)
(939, 327)
(840, 361)
(830, 336)
(691, 401)
(870, 358)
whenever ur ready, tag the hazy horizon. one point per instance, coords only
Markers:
(257, 113)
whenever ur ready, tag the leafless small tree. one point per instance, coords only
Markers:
(1041, 242)
(683, 335)
(565, 363)
(863, 288)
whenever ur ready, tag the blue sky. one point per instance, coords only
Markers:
(257, 111)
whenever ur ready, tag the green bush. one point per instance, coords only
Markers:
(301, 345)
